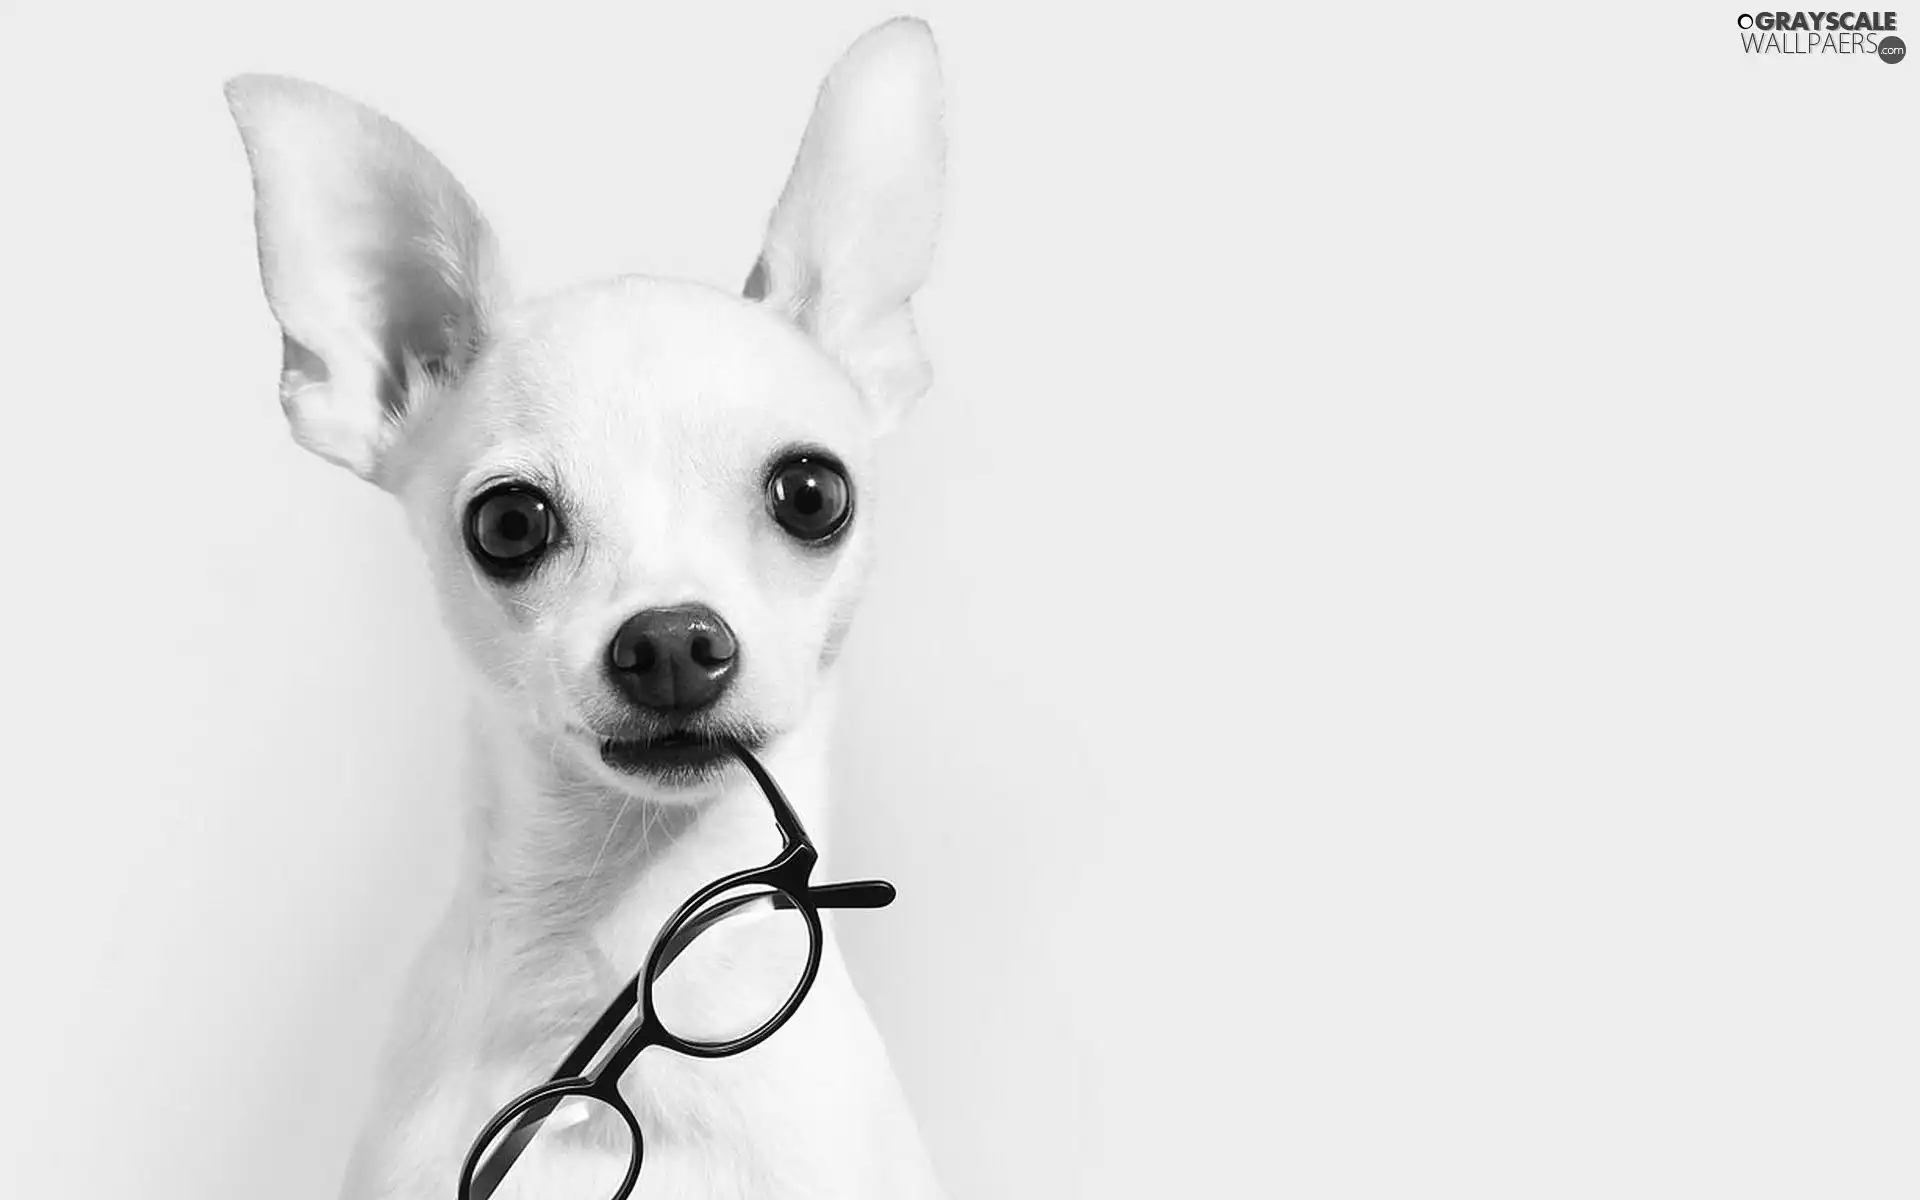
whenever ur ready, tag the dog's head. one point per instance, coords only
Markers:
(644, 502)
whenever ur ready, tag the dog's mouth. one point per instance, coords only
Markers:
(667, 754)
(675, 756)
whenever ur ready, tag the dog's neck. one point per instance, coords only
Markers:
(561, 863)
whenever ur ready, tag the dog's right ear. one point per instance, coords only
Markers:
(375, 262)
(852, 237)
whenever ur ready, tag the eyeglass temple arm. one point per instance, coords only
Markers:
(862, 893)
(791, 830)
(626, 998)
(859, 893)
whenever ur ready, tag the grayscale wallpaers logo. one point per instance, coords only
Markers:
(1867, 34)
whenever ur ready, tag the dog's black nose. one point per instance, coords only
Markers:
(672, 660)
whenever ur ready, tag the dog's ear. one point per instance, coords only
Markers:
(852, 236)
(376, 263)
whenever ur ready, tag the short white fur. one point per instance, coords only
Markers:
(649, 409)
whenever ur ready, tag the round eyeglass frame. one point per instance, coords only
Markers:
(790, 878)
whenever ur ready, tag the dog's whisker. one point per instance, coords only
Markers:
(590, 536)
(612, 827)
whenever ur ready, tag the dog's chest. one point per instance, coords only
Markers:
(722, 1127)
(738, 1128)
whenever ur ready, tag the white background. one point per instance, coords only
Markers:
(1395, 671)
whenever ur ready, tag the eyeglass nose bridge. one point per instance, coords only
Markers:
(790, 873)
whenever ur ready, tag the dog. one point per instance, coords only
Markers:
(645, 512)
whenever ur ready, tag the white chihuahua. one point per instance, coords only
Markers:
(645, 509)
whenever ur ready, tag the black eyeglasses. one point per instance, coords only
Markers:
(577, 1120)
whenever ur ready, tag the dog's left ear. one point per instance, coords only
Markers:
(376, 263)
(852, 237)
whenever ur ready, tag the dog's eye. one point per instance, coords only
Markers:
(508, 528)
(810, 497)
